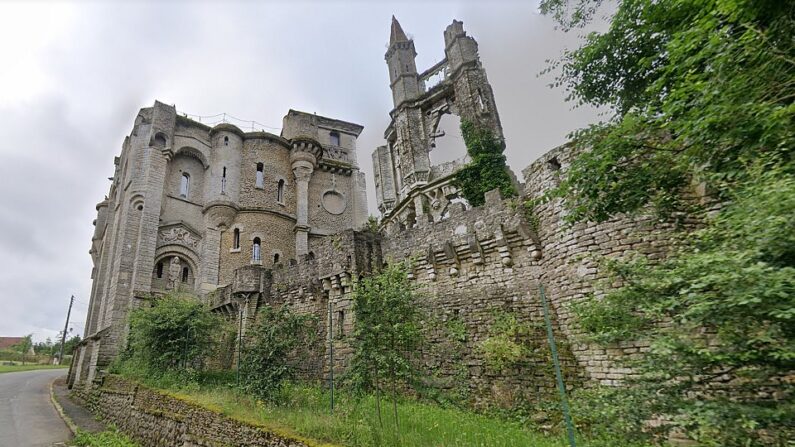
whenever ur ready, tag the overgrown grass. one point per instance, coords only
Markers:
(107, 438)
(28, 367)
(304, 410)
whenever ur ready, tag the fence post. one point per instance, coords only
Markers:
(564, 403)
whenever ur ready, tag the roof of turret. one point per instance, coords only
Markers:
(397, 34)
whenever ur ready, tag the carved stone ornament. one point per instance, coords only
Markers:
(181, 236)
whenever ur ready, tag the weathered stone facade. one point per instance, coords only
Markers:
(190, 205)
(470, 264)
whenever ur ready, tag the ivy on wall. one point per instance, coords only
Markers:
(487, 169)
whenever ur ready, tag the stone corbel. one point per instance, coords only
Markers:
(502, 247)
(449, 251)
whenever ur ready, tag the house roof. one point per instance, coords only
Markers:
(7, 342)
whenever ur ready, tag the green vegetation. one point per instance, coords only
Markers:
(487, 168)
(387, 335)
(275, 346)
(702, 93)
(6, 367)
(108, 438)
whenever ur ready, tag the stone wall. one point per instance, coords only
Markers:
(156, 419)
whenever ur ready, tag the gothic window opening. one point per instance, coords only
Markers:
(280, 191)
(223, 181)
(184, 185)
(236, 239)
(185, 274)
(260, 175)
(159, 269)
(256, 251)
(335, 138)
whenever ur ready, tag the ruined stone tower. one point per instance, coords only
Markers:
(409, 189)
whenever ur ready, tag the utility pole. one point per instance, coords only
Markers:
(65, 328)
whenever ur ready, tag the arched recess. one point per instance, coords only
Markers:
(193, 152)
(166, 252)
(186, 162)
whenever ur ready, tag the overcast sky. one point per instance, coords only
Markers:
(73, 76)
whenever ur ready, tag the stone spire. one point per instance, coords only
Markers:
(397, 34)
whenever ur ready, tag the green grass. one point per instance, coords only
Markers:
(28, 367)
(305, 412)
(107, 438)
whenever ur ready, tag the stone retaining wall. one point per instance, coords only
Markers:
(155, 419)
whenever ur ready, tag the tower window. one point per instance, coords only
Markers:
(226, 141)
(185, 273)
(276, 258)
(223, 181)
(340, 323)
(260, 175)
(184, 185)
(159, 269)
(236, 238)
(256, 251)
(335, 138)
(280, 191)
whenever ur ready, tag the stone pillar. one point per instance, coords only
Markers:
(302, 170)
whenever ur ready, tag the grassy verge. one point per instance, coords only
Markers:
(108, 438)
(28, 367)
(304, 410)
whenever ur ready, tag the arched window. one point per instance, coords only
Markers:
(334, 137)
(185, 274)
(280, 191)
(159, 269)
(223, 181)
(236, 239)
(260, 175)
(184, 185)
(256, 251)
(226, 141)
(276, 258)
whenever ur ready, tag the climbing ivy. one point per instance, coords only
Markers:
(487, 169)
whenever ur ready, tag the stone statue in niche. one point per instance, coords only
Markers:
(174, 270)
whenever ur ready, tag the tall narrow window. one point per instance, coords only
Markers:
(340, 323)
(260, 175)
(159, 269)
(335, 138)
(280, 191)
(236, 239)
(185, 273)
(256, 251)
(276, 258)
(184, 185)
(223, 181)
(226, 141)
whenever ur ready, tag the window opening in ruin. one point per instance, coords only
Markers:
(481, 104)
(223, 181)
(554, 164)
(236, 239)
(159, 269)
(160, 140)
(260, 175)
(310, 256)
(335, 138)
(184, 186)
(276, 258)
(280, 191)
(447, 143)
(185, 273)
(226, 141)
(256, 250)
(340, 323)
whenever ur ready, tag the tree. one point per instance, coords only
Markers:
(24, 346)
(275, 345)
(387, 334)
(701, 92)
(176, 332)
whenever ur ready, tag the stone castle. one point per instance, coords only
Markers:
(248, 219)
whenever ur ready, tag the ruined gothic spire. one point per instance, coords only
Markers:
(397, 34)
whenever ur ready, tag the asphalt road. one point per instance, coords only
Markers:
(27, 417)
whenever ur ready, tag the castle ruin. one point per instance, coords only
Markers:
(248, 219)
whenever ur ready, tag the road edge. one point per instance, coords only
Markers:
(67, 420)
